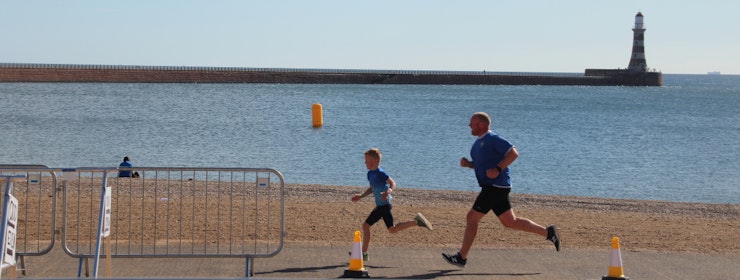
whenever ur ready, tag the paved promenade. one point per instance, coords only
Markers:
(326, 262)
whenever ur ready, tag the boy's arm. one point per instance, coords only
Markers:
(357, 197)
(391, 184)
(391, 188)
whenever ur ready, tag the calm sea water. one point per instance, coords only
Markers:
(678, 142)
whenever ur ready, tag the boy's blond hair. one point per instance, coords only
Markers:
(374, 152)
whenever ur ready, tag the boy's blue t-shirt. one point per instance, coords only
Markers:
(377, 179)
(487, 152)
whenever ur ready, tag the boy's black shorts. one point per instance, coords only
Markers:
(379, 212)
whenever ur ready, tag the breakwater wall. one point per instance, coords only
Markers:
(165, 74)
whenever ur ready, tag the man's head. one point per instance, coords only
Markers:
(480, 123)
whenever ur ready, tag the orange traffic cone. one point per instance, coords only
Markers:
(356, 268)
(616, 272)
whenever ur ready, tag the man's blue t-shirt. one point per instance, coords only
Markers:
(377, 179)
(487, 152)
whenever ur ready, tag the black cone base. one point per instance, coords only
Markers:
(355, 274)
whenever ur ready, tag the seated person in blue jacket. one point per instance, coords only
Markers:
(127, 173)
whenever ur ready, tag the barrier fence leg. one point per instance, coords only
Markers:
(108, 259)
(22, 260)
(79, 268)
(249, 271)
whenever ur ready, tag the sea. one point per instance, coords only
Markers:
(679, 142)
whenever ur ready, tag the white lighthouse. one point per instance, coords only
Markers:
(637, 61)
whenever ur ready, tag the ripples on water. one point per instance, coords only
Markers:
(677, 142)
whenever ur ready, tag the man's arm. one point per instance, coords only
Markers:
(509, 158)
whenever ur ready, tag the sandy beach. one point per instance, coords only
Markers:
(325, 214)
(678, 239)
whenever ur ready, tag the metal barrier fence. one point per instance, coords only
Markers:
(37, 201)
(165, 212)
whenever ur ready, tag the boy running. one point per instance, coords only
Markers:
(381, 186)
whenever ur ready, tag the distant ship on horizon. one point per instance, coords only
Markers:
(713, 73)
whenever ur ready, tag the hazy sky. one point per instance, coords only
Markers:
(691, 37)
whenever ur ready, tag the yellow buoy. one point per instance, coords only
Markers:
(317, 115)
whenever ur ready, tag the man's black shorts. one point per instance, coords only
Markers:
(493, 198)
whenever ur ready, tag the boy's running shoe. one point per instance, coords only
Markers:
(365, 256)
(422, 222)
(455, 259)
(552, 235)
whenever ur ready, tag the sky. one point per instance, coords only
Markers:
(682, 37)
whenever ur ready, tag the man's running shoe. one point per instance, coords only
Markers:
(455, 259)
(422, 222)
(552, 235)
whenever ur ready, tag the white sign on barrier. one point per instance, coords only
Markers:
(11, 225)
(107, 206)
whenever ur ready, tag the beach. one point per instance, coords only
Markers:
(325, 215)
(658, 239)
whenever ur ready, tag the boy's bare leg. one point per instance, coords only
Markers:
(401, 226)
(365, 237)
